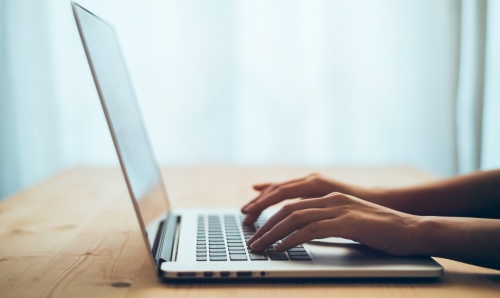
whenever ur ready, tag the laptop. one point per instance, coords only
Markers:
(202, 243)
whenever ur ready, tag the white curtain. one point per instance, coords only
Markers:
(324, 83)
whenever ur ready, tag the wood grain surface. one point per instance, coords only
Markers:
(76, 235)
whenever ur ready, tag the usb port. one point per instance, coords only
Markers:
(208, 274)
(225, 273)
(244, 273)
(186, 274)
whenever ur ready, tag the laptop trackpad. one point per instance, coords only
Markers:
(339, 251)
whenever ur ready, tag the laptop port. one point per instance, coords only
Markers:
(186, 274)
(225, 273)
(244, 273)
(208, 274)
(262, 273)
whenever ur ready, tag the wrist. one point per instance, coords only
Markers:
(426, 232)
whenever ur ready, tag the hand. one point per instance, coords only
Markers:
(311, 186)
(339, 215)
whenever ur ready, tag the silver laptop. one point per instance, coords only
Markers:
(208, 243)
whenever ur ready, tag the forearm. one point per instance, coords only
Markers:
(470, 240)
(474, 195)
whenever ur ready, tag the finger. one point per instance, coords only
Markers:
(250, 218)
(290, 224)
(315, 230)
(289, 191)
(285, 212)
(265, 188)
(261, 186)
(270, 188)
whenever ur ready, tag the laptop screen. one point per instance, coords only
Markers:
(124, 118)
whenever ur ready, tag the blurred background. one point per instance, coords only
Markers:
(321, 83)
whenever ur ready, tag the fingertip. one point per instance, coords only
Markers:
(260, 186)
(250, 219)
(249, 208)
(251, 240)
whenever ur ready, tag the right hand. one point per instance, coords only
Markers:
(311, 186)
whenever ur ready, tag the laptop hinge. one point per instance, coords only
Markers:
(164, 246)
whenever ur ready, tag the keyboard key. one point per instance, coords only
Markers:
(257, 257)
(235, 244)
(217, 254)
(217, 243)
(217, 246)
(218, 259)
(300, 258)
(233, 232)
(297, 253)
(240, 248)
(297, 249)
(201, 258)
(233, 237)
(234, 241)
(201, 247)
(277, 256)
(217, 251)
(201, 254)
(238, 257)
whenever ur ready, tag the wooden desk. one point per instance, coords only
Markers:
(76, 235)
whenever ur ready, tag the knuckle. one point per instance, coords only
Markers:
(273, 186)
(313, 228)
(283, 190)
(339, 197)
(296, 215)
(314, 176)
(288, 207)
(342, 211)
(279, 190)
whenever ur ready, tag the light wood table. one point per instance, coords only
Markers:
(76, 235)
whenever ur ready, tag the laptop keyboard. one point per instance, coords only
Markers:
(223, 238)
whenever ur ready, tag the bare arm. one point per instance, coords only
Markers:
(473, 195)
(470, 240)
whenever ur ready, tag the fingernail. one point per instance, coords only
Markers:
(256, 244)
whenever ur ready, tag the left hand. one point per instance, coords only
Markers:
(339, 215)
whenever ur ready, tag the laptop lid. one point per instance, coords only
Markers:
(125, 123)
